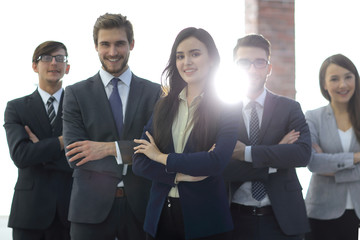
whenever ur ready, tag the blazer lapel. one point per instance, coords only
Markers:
(330, 123)
(136, 89)
(243, 135)
(58, 119)
(269, 105)
(97, 91)
(37, 109)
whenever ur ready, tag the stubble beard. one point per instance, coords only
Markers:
(116, 71)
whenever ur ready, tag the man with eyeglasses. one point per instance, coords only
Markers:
(266, 196)
(33, 127)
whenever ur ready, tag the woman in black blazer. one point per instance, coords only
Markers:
(177, 152)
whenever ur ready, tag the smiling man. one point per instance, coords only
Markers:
(102, 116)
(34, 133)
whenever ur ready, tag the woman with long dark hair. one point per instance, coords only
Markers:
(333, 198)
(186, 146)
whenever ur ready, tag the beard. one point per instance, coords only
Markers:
(115, 71)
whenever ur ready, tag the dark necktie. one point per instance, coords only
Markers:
(257, 188)
(116, 105)
(51, 111)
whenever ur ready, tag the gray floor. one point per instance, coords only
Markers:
(5, 232)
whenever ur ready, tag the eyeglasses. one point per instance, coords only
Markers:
(49, 58)
(258, 63)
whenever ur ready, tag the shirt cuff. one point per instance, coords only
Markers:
(118, 154)
(272, 170)
(247, 156)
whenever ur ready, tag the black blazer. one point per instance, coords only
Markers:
(44, 177)
(88, 116)
(280, 116)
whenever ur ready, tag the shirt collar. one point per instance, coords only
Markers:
(260, 99)
(45, 95)
(125, 77)
(182, 96)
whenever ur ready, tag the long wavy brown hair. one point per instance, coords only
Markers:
(206, 115)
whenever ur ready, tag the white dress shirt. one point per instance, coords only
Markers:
(243, 194)
(345, 137)
(45, 97)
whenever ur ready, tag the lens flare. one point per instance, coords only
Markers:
(231, 84)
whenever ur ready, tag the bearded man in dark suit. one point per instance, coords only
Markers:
(102, 117)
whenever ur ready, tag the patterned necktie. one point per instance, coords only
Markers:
(257, 188)
(116, 105)
(51, 110)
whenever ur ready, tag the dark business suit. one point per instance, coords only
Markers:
(88, 116)
(42, 191)
(204, 204)
(280, 116)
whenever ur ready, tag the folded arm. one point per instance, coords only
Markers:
(27, 150)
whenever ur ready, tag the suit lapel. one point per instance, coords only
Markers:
(37, 109)
(330, 123)
(243, 135)
(136, 89)
(58, 119)
(269, 106)
(97, 91)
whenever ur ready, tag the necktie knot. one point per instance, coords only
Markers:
(50, 100)
(114, 82)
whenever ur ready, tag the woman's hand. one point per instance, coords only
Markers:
(290, 138)
(317, 148)
(150, 149)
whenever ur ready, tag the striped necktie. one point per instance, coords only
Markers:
(51, 111)
(257, 188)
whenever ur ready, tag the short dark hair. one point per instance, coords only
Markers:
(110, 21)
(254, 40)
(47, 48)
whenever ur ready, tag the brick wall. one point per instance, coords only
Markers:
(275, 20)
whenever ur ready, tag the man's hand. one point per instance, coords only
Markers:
(150, 149)
(61, 142)
(32, 136)
(180, 177)
(90, 151)
(239, 151)
(290, 138)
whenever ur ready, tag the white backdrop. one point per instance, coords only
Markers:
(323, 27)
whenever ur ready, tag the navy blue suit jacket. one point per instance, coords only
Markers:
(280, 116)
(204, 204)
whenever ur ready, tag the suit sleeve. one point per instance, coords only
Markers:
(342, 164)
(286, 155)
(23, 151)
(240, 171)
